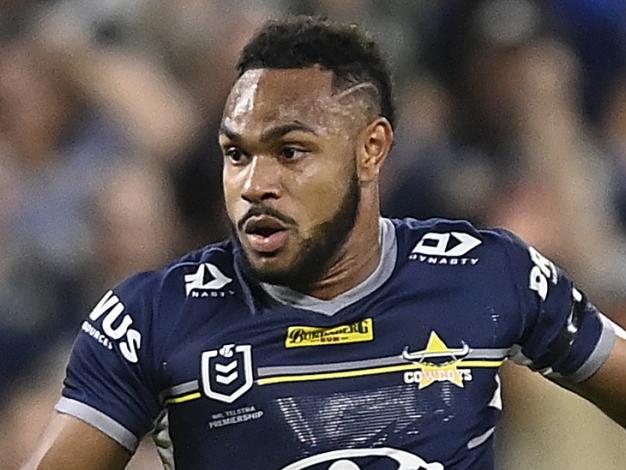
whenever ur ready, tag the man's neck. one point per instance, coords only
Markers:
(354, 263)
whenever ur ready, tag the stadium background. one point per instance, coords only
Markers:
(512, 113)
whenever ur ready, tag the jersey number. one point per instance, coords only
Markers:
(543, 270)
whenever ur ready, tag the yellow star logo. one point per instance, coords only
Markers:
(447, 372)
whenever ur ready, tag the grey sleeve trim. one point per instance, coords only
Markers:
(98, 420)
(599, 355)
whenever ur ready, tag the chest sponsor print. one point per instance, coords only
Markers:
(300, 336)
(349, 459)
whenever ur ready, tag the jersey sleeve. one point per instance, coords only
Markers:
(562, 334)
(109, 381)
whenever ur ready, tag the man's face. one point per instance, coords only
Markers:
(290, 182)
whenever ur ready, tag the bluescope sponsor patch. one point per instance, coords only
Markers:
(299, 336)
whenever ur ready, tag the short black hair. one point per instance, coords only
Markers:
(304, 41)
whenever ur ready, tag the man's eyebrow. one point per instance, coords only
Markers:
(272, 133)
(276, 132)
(228, 133)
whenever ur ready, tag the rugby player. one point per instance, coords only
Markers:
(322, 335)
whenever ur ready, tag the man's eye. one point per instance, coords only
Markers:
(291, 153)
(234, 155)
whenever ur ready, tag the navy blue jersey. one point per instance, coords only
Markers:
(400, 372)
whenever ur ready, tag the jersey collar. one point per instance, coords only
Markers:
(381, 274)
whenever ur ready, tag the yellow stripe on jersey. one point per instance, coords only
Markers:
(183, 398)
(365, 372)
(342, 375)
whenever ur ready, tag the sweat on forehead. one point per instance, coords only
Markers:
(307, 93)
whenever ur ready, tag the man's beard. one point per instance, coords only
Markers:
(318, 252)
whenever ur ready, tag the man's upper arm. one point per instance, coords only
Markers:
(564, 336)
(109, 399)
(561, 334)
(70, 443)
(607, 387)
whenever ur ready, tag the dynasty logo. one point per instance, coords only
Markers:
(300, 336)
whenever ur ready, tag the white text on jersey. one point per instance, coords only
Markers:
(112, 306)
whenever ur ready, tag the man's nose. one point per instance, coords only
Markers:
(262, 181)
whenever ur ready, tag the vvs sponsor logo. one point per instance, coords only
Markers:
(207, 281)
(111, 308)
(356, 459)
(226, 372)
(445, 248)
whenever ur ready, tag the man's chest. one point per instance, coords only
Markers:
(397, 372)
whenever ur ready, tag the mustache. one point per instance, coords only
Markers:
(258, 210)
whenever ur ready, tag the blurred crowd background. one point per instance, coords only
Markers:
(512, 113)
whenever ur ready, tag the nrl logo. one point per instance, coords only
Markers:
(227, 373)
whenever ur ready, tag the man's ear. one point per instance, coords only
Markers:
(374, 145)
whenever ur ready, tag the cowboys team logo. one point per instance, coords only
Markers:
(227, 372)
(439, 363)
(355, 459)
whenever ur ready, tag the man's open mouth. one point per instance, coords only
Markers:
(265, 234)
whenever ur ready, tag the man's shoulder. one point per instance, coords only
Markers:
(209, 268)
(218, 254)
(141, 312)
